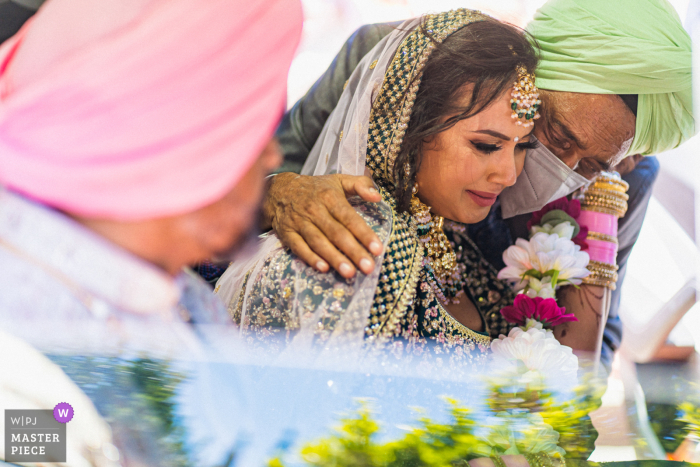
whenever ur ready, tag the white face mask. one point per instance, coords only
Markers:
(544, 178)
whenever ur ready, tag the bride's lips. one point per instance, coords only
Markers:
(483, 198)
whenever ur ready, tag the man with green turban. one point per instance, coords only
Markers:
(634, 49)
(615, 80)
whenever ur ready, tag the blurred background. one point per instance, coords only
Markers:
(658, 365)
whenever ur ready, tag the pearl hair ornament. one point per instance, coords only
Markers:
(525, 101)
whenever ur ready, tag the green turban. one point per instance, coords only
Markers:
(621, 47)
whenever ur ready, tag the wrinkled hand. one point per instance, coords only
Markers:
(312, 216)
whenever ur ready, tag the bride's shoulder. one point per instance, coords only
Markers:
(379, 216)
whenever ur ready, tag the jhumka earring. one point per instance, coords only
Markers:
(439, 255)
(525, 101)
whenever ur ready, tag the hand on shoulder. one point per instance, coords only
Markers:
(313, 218)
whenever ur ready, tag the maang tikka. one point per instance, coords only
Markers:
(525, 98)
(439, 254)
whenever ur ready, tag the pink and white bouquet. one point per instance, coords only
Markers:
(552, 256)
(537, 267)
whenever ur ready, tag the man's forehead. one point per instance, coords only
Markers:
(597, 123)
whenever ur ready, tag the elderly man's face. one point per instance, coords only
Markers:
(585, 131)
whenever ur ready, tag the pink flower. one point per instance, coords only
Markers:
(580, 239)
(572, 208)
(544, 310)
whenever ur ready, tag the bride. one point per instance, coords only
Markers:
(440, 114)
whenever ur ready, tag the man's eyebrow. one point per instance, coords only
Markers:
(493, 133)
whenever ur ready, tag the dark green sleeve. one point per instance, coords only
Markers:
(302, 124)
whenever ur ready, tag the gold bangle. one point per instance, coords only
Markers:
(614, 195)
(606, 203)
(603, 200)
(600, 283)
(611, 180)
(603, 210)
(602, 237)
(601, 265)
(498, 461)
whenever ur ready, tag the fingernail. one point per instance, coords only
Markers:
(322, 266)
(366, 265)
(345, 269)
(375, 248)
(373, 190)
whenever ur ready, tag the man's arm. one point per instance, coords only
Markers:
(302, 124)
(311, 215)
(494, 235)
(641, 181)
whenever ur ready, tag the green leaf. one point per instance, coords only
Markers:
(557, 217)
(555, 276)
(532, 273)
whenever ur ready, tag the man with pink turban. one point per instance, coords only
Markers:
(135, 137)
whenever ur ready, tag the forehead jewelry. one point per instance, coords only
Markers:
(525, 101)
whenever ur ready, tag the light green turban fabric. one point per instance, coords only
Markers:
(621, 47)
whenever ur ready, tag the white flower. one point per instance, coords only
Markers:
(540, 357)
(544, 252)
(563, 230)
(541, 288)
(518, 260)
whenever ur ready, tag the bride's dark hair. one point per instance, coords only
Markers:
(483, 54)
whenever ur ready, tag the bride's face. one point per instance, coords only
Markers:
(466, 167)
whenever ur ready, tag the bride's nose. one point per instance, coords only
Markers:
(504, 169)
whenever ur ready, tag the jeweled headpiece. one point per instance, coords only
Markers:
(525, 98)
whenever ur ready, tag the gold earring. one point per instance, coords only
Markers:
(442, 261)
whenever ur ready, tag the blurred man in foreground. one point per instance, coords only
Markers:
(134, 140)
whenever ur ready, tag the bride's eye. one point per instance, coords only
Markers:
(486, 148)
(527, 145)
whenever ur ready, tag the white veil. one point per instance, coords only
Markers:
(333, 153)
(340, 148)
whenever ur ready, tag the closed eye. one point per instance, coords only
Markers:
(528, 145)
(486, 148)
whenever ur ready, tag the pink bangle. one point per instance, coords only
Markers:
(602, 251)
(598, 222)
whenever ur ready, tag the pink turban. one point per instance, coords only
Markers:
(135, 109)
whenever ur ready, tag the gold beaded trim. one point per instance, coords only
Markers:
(601, 236)
(399, 276)
(463, 330)
(388, 121)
